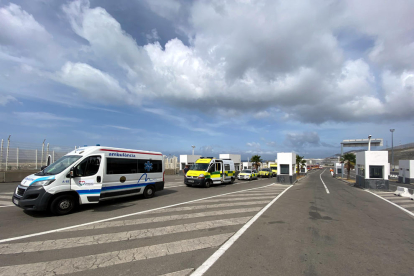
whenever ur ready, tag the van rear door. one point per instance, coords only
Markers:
(87, 181)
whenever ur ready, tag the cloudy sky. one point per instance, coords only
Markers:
(235, 76)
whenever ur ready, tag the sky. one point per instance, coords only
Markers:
(238, 76)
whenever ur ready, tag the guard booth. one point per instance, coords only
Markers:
(338, 169)
(286, 167)
(406, 173)
(373, 170)
(303, 170)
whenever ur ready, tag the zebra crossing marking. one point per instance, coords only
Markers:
(164, 218)
(5, 202)
(37, 246)
(91, 262)
(124, 216)
(395, 204)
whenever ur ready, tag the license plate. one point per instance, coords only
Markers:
(190, 181)
(16, 201)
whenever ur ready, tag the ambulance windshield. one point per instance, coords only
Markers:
(60, 165)
(199, 167)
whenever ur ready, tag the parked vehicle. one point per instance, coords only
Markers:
(248, 175)
(89, 175)
(208, 171)
(266, 173)
(273, 167)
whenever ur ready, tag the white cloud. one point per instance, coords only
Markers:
(43, 116)
(93, 84)
(5, 99)
(242, 57)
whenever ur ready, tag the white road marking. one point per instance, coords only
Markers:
(5, 197)
(5, 202)
(396, 205)
(84, 263)
(6, 193)
(6, 206)
(210, 206)
(236, 199)
(165, 218)
(14, 248)
(213, 258)
(184, 272)
(326, 188)
(123, 216)
(165, 187)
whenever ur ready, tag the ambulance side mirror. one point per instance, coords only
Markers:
(72, 173)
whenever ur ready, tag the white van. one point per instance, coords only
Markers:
(90, 175)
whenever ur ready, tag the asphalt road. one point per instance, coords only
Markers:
(247, 228)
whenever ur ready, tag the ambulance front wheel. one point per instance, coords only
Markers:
(207, 184)
(149, 191)
(62, 205)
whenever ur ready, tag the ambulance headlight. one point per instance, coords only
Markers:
(201, 176)
(43, 182)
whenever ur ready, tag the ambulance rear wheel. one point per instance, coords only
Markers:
(149, 191)
(232, 180)
(62, 205)
(207, 184)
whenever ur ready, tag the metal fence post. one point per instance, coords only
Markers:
(47, 153)
(36, 159)
(43, 147)
(7, 153)
(1, 154)
(17, 158)
(53, 156)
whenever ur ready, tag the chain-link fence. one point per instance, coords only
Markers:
(15, 155)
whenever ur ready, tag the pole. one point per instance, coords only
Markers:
(17, 160)
(342, 163)
(53, 156)
(36, 159)
(1, 154)
(43, 147)
(392, 149)
(7, 153)
(47, 154)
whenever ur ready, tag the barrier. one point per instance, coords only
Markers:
(401, 191)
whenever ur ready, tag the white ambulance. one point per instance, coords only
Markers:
(90, 175)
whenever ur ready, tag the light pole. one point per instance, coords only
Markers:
(392, 148)
(193, 149)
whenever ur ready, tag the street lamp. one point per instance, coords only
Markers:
(392, 148)
(193, 149)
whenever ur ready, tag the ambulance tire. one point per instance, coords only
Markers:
(250, 178)
(62, 205)
(149, 191)
(207, 184)
(232, 180)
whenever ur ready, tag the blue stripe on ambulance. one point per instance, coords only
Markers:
(89, 192)
(42, 178)
(110, 188)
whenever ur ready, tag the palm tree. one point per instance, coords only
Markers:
(302, 164)
(299, 160)
(349, 160)
(256, 159)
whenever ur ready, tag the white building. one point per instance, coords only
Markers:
(373, 169)
(406, 172)
(338, 169)
(286, 164)
(188, 160)
(236, 158)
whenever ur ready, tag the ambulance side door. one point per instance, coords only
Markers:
(87, 181)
